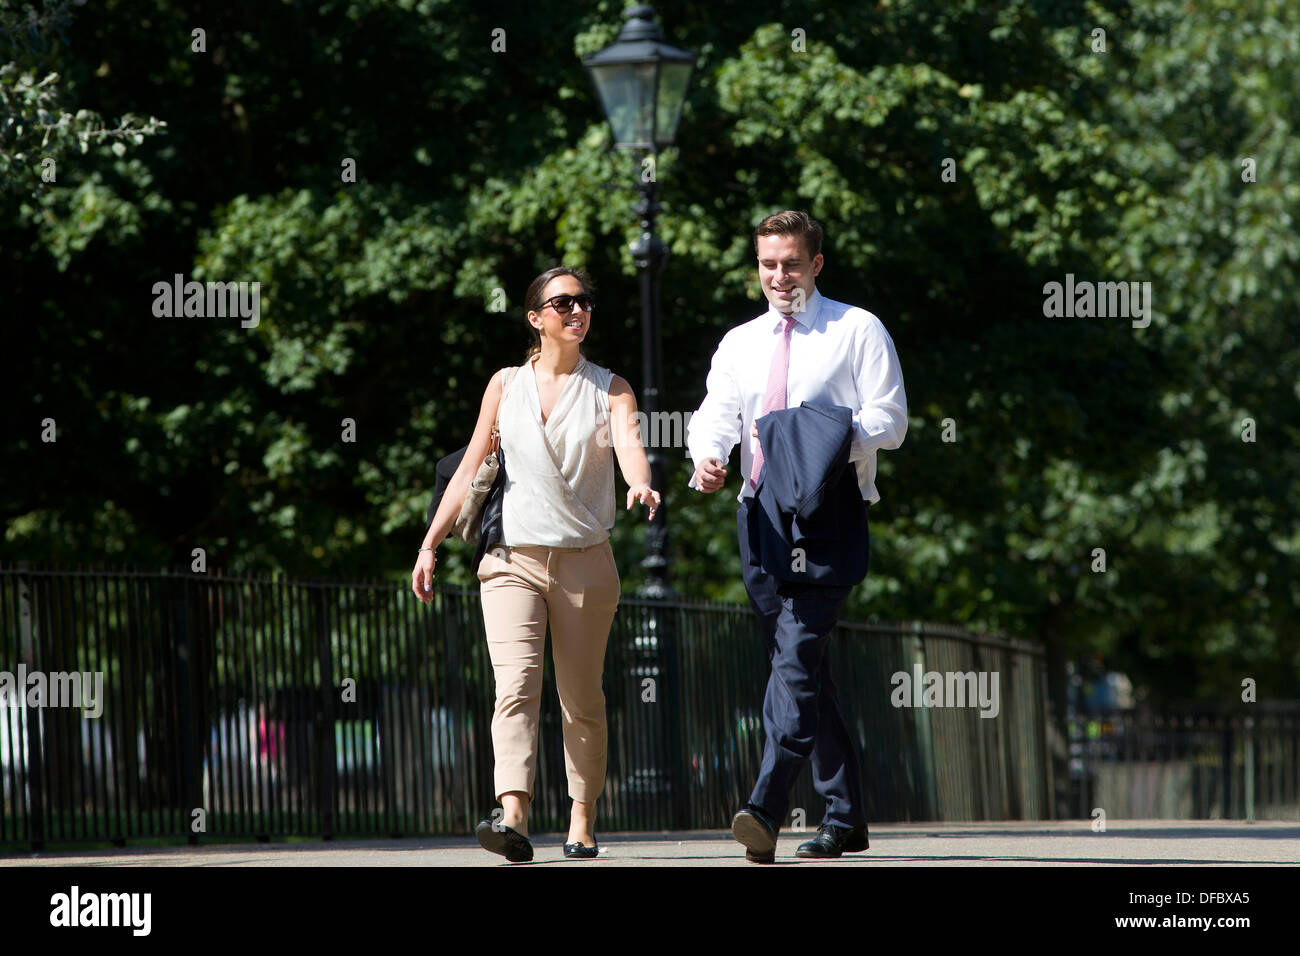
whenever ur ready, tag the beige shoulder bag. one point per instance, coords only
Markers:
(469, 521)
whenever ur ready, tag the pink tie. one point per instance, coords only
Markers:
(775, 396)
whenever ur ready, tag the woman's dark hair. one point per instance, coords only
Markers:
(533, 299)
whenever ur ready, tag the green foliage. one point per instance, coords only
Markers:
(475, 170)
(39, 133)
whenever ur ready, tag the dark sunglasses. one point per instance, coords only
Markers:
(563, 304)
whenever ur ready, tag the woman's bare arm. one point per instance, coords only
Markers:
(477, 450)
(626, 433)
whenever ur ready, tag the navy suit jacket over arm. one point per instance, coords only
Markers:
(809, 522)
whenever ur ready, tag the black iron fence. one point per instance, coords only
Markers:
(1193, 765)
(155, 704)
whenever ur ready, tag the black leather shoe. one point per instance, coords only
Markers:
(580, 850)
(511, 844)
(832, 841)
(756, 831)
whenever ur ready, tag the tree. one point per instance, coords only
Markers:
(961, 158)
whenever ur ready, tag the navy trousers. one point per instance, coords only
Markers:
(801, 713)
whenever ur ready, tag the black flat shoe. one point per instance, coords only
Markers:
(833, 841)
(756, 831)
(580, 850)
(511, 844)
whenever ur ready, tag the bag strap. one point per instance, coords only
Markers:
(494, 442)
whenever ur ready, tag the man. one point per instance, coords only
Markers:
(804, 348)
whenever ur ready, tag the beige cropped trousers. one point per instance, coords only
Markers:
(577, 591)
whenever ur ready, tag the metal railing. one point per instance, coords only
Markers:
(1198, 764)
(260, 707)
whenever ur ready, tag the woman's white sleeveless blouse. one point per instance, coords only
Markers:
(559, 489)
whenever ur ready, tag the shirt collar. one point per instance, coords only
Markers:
(807, 318)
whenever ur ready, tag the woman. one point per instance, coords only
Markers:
(558, 418)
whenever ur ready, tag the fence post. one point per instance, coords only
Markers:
(1013, 767)
(647, 789)
(1227, 769)
(191, 783)
(1250, 769)
(325, 756)
(924, 733)
(33, 766)
(674, 753)
(1049, 735)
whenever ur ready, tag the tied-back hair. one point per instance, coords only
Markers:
(533, 300)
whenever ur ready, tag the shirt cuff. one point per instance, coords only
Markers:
(864, 442)
(706, 452)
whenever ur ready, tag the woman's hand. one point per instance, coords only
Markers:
(646, 495)
(422, 576)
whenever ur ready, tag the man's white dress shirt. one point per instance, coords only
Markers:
(839, 354)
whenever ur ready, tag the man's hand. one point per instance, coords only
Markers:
(711, 475)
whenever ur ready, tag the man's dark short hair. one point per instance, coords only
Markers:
(792, 223)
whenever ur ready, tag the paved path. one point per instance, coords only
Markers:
(1054, 843)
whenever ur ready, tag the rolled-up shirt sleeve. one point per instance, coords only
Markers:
(881, 420)
(715, 427)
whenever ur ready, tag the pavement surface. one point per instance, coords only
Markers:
(1045, 843)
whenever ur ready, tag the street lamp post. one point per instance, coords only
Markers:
(650, 253)
(642, 82)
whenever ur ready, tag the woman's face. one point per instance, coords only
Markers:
(570, 326)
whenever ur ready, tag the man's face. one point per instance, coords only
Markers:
(784, 269)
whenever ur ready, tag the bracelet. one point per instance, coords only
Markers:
(426, 549)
